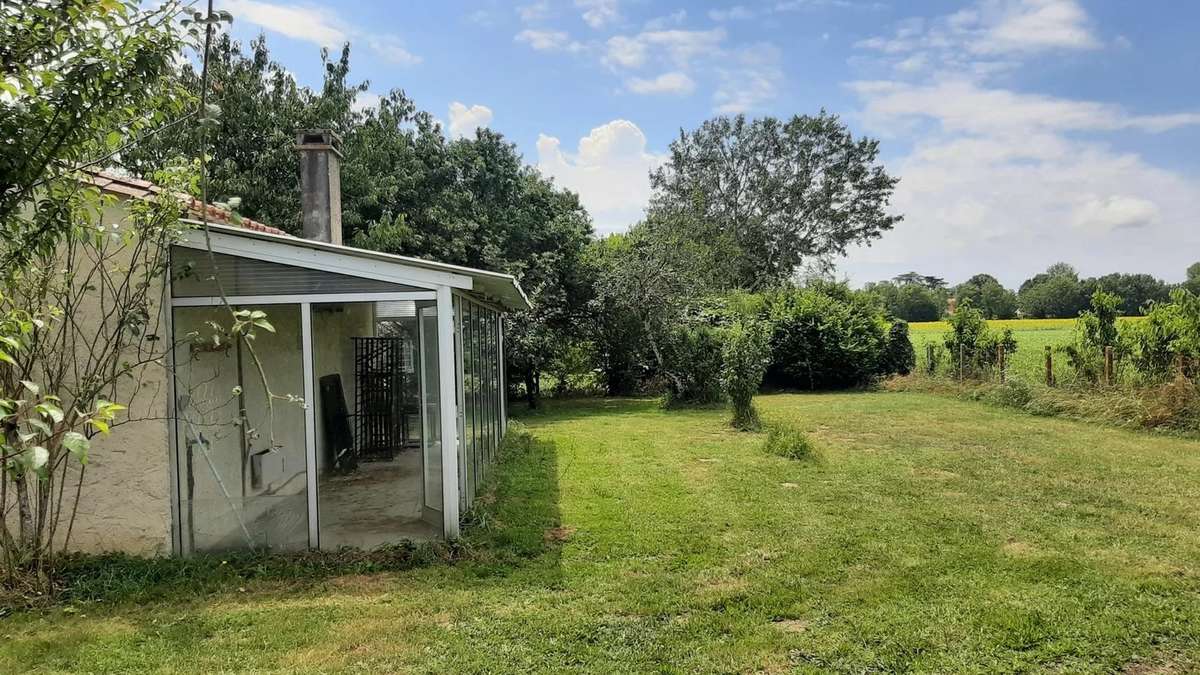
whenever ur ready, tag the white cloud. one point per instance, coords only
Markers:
(668, 83)
(534, 11)
(1039, 24)
(366, 100)
(673, 19)
(679, 47)
(308, 23)
(599, 13)
(735, 12)
(963, 105)
(1007, 181)
(751, 79)
(1114, 212)
(320, 26)
(610, 171)
(391, 51)
(465, 120)
(548, 40)
(987, 36)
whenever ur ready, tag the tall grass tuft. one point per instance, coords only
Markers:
(787, 441)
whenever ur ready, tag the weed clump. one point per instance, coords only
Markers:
(789, 442)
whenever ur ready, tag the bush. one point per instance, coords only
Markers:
(824, 336)
(899, 358)
(747, 352)
(1169, 331)
(1095, 329)
(786, 441)
(970, 336)
(692, 365)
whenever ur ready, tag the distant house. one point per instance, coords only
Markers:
(399, 361)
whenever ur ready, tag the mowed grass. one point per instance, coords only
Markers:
(1032, 335)
(927, 534)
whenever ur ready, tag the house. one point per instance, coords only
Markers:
(369, 415)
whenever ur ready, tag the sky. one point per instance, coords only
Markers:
(1024, 132)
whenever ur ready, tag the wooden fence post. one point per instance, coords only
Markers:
(1000, 361)
(961, 364)
(1108, 366)
(1049, 366)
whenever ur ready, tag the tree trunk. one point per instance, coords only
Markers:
(531, 388)
(25, 532)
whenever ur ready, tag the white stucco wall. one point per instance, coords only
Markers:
(125, 500)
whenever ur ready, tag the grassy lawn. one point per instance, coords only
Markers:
(930, 534)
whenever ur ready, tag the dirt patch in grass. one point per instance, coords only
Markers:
(791, 625)
(1159, 664)
(1018, 549)
(557, 535)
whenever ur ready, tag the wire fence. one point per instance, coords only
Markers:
(1047, 366)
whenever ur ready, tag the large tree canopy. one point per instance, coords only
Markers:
(406, 188)
(988, 295)
(78, 81)
(782, 191)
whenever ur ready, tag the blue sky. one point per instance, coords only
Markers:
(1024, 131)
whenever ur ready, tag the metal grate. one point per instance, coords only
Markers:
(381, 425)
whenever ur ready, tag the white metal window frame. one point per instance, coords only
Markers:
(462, 299)
(441, 288)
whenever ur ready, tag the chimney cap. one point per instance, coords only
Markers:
(319, 139)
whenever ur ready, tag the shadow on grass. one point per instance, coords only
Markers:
(515, 521)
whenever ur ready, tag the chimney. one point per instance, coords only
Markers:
(321, 184)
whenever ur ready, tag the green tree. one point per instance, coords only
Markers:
(253, 149)
(746, 355)
(972, 344)
(1055, 294)
(1193, 278)
(909, 301)
(780, 191)
(1135, 290)
(82, 81)
(1095, 330)
(988, 295)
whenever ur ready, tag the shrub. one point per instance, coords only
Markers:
(824, 336)
(1169, 331)
(1095, 329)
(970, 336)
(747, 352)
(898, 358)
(787, 441)
(692, 359)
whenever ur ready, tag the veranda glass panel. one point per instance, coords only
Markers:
(371, 466)
(241, 470)
(431, 417)
(469, 387)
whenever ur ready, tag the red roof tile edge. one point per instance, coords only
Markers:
(127, 186)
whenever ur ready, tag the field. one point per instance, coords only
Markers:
(930, 534)
(1032, 335)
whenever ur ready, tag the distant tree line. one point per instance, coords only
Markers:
(1057, 293)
